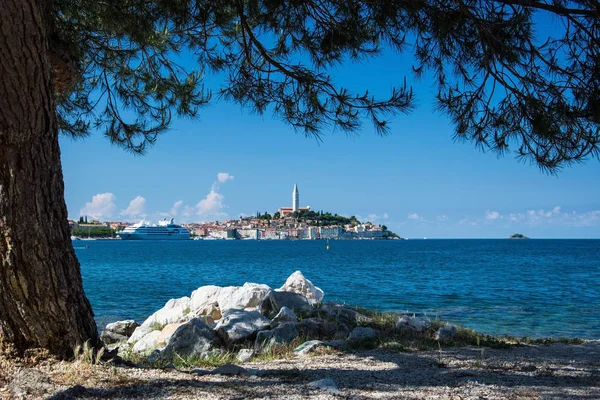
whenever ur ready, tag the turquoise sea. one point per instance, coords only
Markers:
(539, 288)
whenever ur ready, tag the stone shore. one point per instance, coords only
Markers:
(253, 341)
(557, 371)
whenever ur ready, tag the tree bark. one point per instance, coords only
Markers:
(42, 303)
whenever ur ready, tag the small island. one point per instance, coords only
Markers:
(518, 236)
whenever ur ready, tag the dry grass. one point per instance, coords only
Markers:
(280, 351)
(87, 362)
(7, 369)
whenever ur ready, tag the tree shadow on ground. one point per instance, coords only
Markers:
(390, 373)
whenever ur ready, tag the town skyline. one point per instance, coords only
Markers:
(213, 208)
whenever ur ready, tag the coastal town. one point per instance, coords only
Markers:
(287, 223)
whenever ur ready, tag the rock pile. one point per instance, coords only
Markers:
(247, 319)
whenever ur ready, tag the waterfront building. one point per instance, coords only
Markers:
(373, 234)
(218, 233)
(270, 234)
(117, 225)
(248, 234)
(331, 232)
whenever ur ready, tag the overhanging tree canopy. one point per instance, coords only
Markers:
(78, 66)
(500, 84)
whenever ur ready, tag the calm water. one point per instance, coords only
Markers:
(520, 287)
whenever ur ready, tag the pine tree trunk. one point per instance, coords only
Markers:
(42, 303)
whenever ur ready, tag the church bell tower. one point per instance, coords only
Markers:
(295, 198)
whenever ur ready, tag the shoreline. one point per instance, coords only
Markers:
(77, 239)
(525, 371)
(253, 341)
(508, 336)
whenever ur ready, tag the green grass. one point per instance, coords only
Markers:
(157, 326)
(280, 351)
(393, 338)
(388, 337)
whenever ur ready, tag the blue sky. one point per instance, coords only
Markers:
(417, 181)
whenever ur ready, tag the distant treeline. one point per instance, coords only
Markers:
(314, 218)
(96, 232)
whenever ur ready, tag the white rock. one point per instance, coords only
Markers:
(192, 339)
(148, 343)
(284, 315)
(360, 333)
(139, 333)
(297, 283)
(174, 311)
(245, 355)
(446, 332)
(247, 296)
(326, 384)
(223, 296)
(237, 325)
(211, 311)
(124, 328)
(167, 332)
(204, 301)
(109, 337)
(308, 347)
(416, 324)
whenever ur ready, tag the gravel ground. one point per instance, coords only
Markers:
(558, 371)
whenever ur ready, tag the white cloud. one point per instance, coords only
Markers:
(187, 211)
(102, 205)
(492, 215)
(211, 207)
(591, 218)
(555, 216)
(375, 217)
(135, 208)
(514, 217)
(533, 217)
(556, 209)
(468, 221)
(213, 202)
(224, 177)
(175, 209)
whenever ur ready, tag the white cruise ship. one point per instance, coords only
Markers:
(164, 230)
